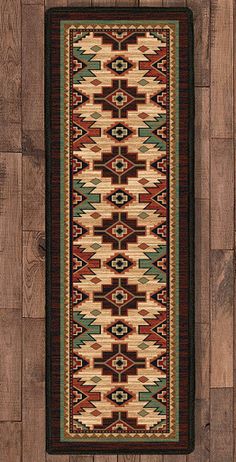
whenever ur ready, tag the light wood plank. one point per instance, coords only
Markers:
(10, 230)
(33, 441)
(81, 458)
(174, 3)
(201, 15)
(221, 68)
(106, 458)
(10, 442)
(178, 458)
(33, 274)
(10, 75)
(202, 258)
(222, 315)
(32, 67)
(79, 2)
(57, 458)
(222, 194)
(202, 145)
(150, 458)
(10, 365)
(32, 2)
(33, 181)
(53, 3)
(129, 458)
(222, 438)
(33, 117)
(202, 402)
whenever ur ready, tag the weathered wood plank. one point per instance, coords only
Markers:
(201, 15)
(222, 438)
(202, 402)
(202, 145)
(149, 458)
(174, 3)
(33, 274)
(57, 458)
(129, 458)
(81, 458)
(202, 258)
(10, 442)
(53, 3)
(106, 458)
(222, 194)
(179, 458)
(10, 365)
(33, 441)
(222, 315)
(10, 75)
(221, 68)
(33, 116)
(10, 230)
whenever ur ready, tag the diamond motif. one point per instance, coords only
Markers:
(119, 198)
(119, 396)
(119, 65)
(119, 263)
(120, 330)
(119, 132)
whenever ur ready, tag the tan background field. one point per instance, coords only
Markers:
(22, 244)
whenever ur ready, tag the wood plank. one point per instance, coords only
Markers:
(202, 145)
(174, 3)
(33, 441)
(53, 3)
(222, 438)
(81, 458)
(221, 68)
(33, 274)
(222, 315)
(202, 402)
(179, 458)
(32, 2)
(150, 458)
(10, 75)
(10, 442)
(33, 116)
(106, 458)
(201, 16)
(129, 458)
(10, 365)
(33, 181)
(57, 458)
(10, 230)
(202, 259)
(222, 194)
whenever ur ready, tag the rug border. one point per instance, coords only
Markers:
(50, 448)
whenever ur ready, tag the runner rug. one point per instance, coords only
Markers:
(119, 227)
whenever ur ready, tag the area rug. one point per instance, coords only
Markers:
(119, 118)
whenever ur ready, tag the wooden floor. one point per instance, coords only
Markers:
(22, 244)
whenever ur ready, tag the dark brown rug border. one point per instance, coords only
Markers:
(52, 126)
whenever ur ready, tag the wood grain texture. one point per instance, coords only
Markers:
(222, 194)
(10, 75)
(33, 120)
(214, 426)
(202, 258)
(33, 274)
(222, 317)
(202, 145)
(33, 181)
(201, 15)
(10, 365)
(221, 68)
(222, 425)
(179, 458)
(10, 442)
(33, 436)
(10, 231)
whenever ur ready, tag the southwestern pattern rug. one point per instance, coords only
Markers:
(119, 119)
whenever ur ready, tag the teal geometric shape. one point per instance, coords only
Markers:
(86, 198)
(151, 133)
(85, 65)
(153, 264)
(151, 395)
(86, 329)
